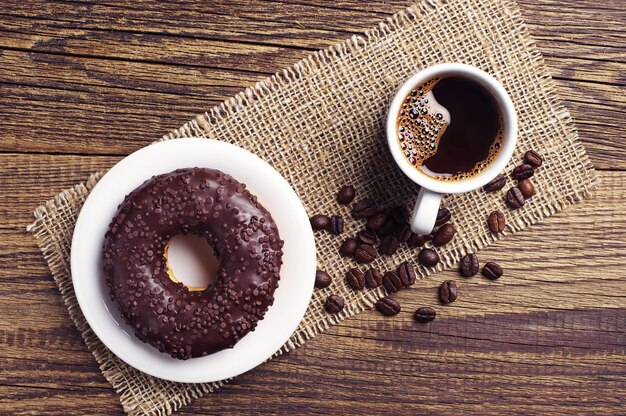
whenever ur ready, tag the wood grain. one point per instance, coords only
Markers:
(84, 83)
(120, 70)
(552, 320)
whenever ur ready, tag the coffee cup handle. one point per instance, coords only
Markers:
(425, 212)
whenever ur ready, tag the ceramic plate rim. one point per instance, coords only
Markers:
(296, 285)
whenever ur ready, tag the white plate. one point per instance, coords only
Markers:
(296, 278)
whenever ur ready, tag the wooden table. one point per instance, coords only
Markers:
(83, 84)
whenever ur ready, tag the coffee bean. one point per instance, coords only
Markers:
(388, 228)
(320, 222)
(389, 245)
(388, 307)
(416, 240)
(365, 253)
(334, 304)
(447, 291)
(364, 208)
(403, 233)
(373, 278)
(496, 184)
(345, 195)
(406, 273)
(428, 257)
(392, 282)
(356, 279)
(526, 187)
(336, 225)
(399, 214)
(523, 171)
(469, 265)
(322, 279)
(430, 236)
(514, 198)
(444, 235)
(533, 158)
(376, 221)
(492, 271)
(443, 216)
(424, 314)
(348, 247)
(496, 222)
(366, 237)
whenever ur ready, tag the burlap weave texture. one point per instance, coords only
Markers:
(320, 124)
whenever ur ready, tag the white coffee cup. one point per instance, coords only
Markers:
(429, 198)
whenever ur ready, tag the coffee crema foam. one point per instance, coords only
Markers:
(423, 121)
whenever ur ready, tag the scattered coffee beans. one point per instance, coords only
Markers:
(373, 278)
(496, 184)
(376, 221)
(366, 237)
(393, 228)
(492, 271)
(428, 257)
(388, 307)
(406, 273)
(416, 240)
(424, 314)
(389, 245)
(399, 214)
(447, 291)
(388, 228)
(364, 208)
(365, 253)
(392, 282)
(336, 224)
(356, 279)
(403, 233)
(346, 195)
(469, 265)
(444, 234)
(334, 304)
(514, 198)
(443, 216)
(348, 247)
(320, 222)
(533, 158)
(322, 279)
(526, 187)
(496, 222)
(523, 171)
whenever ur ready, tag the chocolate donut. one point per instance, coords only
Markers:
(166, 314)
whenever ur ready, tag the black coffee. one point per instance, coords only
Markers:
(450, 128)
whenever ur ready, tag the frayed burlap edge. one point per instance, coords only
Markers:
(57, 256)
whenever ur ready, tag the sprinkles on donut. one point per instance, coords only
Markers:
(165, 313)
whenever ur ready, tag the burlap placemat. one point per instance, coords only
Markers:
(320, 124)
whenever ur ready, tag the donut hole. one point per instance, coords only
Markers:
(191, 261)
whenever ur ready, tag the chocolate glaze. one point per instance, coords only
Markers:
(165, 314)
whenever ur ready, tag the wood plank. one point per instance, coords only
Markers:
(117, 107)
(128, 72)
(548, 337)
(552, 329)
(33, 400)
(41, 118)
(45, 34)
(356, 376)
(55, 374)
(276, 23)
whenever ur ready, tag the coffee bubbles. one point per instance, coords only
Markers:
(450, 128)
